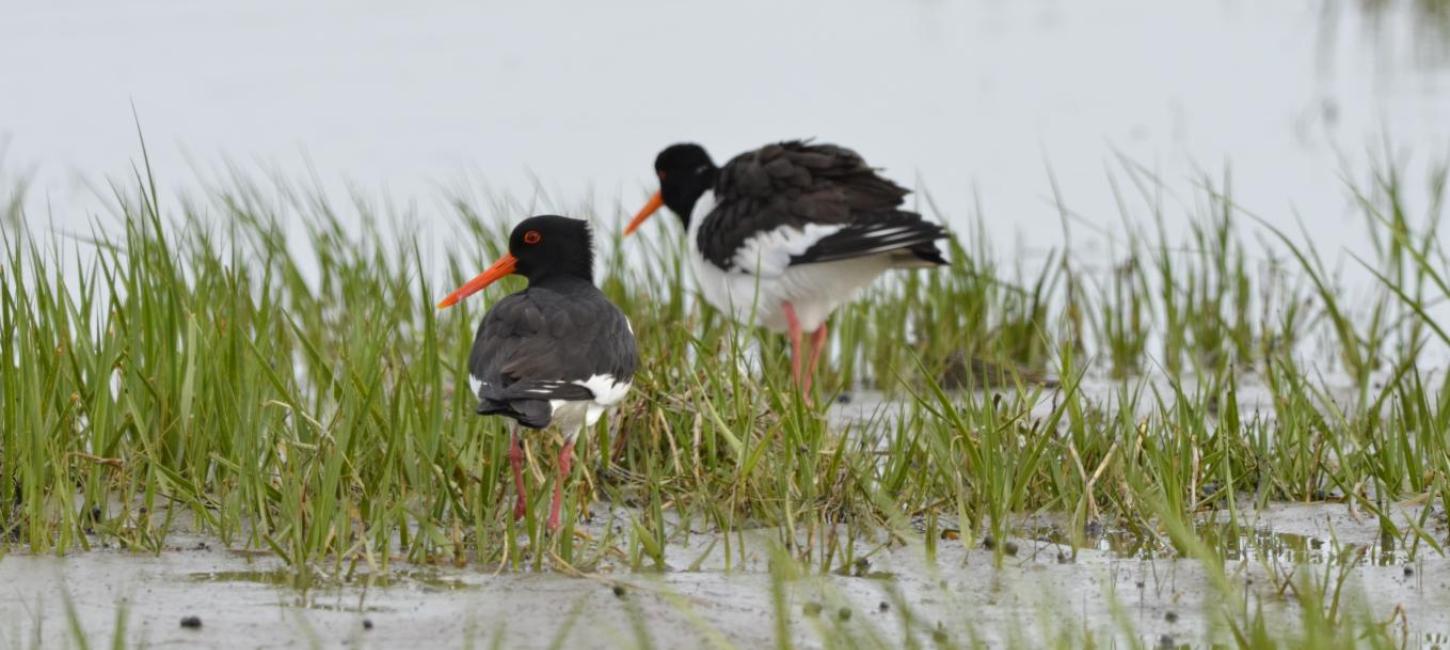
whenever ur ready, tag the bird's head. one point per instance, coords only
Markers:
(540, 247)
(685, 172)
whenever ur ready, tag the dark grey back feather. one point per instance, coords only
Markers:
(534, 345)
(798, 183)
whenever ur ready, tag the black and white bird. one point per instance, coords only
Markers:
(788, 232)
(557, 352)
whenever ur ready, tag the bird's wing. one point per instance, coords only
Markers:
(538, 345)
(878, 233)
(797, 203)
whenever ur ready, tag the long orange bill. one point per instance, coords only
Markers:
(644, 213)
(504, 266)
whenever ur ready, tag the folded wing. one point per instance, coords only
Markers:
(800, 203)
(536, 346)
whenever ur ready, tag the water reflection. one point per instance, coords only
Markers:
(305, 580)
(1261, 545)
(1240, 544)
(566, 107)
(1421, 25)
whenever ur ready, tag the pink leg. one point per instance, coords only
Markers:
(794, 333)
(566, 456)
(818, 342)
(516, 460)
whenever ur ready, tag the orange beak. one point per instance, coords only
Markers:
(644, 213)
(504, 266)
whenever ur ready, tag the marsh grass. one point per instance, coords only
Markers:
(205, 366)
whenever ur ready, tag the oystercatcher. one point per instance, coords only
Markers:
(557, 352)
(788, 232)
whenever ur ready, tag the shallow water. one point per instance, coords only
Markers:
(973, 101)
(246, 601)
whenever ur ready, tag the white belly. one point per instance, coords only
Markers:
(814, 290)
(572, 416)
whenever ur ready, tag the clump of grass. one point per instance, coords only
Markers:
(268, 367)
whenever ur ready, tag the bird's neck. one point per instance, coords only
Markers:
(562, 279)
(685, 201)
(698, 212)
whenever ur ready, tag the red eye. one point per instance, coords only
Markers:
(661, 174)
(532, 237)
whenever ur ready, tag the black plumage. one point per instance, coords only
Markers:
(534, 345)
(795, 230)
(557, 352)
(798, 183)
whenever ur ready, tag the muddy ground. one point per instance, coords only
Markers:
(245, 600)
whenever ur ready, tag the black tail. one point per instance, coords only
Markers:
(533, 413)
(929, 254)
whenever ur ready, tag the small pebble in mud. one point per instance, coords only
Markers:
(1166, 641)
(1009, 547)
(939, 634)
(191, 622)
(884, 606)
(619, 591)
(367, 624)
(1171, 617)
(843, 398)
(844, 614)
(1409, 571)
(811, 609)
(1138, 584)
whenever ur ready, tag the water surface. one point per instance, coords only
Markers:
(973, 101)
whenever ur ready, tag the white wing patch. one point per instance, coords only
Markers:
(885, 233)
(769, 252)
(606, 390)
(545, 387)
(891, 238)
(573, 415)
(474, 384)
